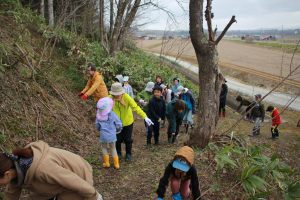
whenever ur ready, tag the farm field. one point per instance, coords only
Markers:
(238, 56)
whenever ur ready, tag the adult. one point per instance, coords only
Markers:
(258, 114)
(95, 85)
(187, 96)
(223, 98)
(48, 173)
(174, 112)
(247, 103)
(158, 81)
(123, 107)
(176, 84)
(167, 93)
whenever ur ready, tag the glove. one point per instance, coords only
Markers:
(80, 94)
(177, 196)
(84, 97)
(148, 121)
(173, 134)
(159, 198)
(99, 196)
(159, 120)
(118, 130)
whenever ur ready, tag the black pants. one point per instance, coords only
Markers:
(153, 128)
(275, 132)
(171, 138)
(222, 106)
(126, 137)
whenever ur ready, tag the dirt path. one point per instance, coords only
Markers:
(232, 54)
(139, 179)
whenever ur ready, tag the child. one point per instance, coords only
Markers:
(158, 81)
(174, 113)
(258, 115)
(276, 121)
(123, 107)
(156, 112)
(108, 124)
(127, 87)
(188, 98)
(182, 176)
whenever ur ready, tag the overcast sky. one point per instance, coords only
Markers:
(250, 14)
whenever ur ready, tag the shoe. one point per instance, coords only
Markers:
(116, 162)
(128, 158)
(106, 163)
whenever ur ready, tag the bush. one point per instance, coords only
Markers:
(258, 174)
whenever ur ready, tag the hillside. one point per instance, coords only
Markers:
(41, 72)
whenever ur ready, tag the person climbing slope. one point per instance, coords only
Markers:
(95, 85)
(182, 175)
(108, 124)
(276, 121)
(123, 107)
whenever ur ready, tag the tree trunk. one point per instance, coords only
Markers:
(111, 20)
(117, 27)
(209, 89)
(42, 8)
(101, 20)
(130, 16)
(209, 83)
(50, 12)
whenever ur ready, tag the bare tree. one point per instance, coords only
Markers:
(101, 20)
(111, 17)
(42, 8)
(50, 13)
(209, 76)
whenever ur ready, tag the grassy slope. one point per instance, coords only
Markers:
(47, 107)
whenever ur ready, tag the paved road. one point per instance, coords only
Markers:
(276, 98)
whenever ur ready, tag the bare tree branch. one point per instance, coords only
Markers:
(208, 20)
(232, 20)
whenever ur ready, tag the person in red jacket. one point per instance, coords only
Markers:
(276, 121)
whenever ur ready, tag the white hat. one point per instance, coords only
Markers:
(163, 86)
(149, 86)
(125, 78)
(180, 88)
(116, 89)
(120, 78)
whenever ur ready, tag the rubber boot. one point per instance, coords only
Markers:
(116, 162)
(223, 114)
(106, 163)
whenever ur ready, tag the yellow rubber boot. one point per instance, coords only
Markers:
(106, 163)
(116, 162)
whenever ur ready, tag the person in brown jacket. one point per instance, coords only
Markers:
(48, 173)
(95, 85)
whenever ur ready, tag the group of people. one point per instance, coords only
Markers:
(255, 112)
(52, 173)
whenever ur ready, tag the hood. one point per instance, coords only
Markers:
(40, 150)
(187, 153)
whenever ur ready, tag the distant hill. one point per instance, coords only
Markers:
(277, 32)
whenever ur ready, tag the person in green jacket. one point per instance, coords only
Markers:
(174, 113)
(123, 107)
